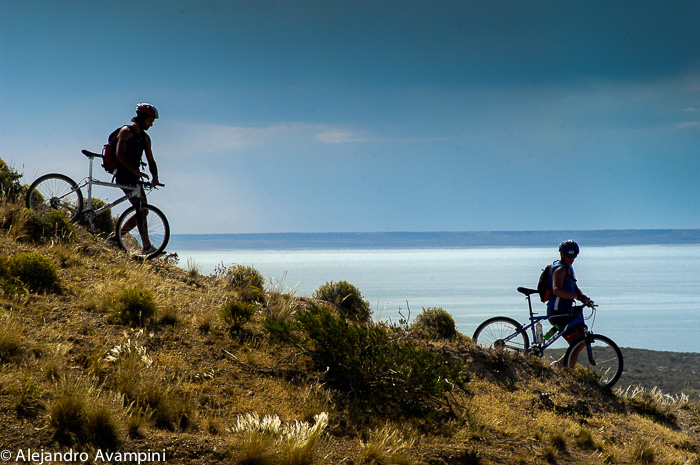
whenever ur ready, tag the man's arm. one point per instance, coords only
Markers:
(151, 162)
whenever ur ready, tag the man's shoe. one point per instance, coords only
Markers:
(150, 250)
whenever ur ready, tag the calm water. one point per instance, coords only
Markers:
(648, 296)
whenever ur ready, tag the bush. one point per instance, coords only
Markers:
(104, 221)
(435, 323)
(35, 271)
(41, 227)
(347, 299)
(133, 306)
(10, 186)
(247, 281)
(375, 371)
(10, 285)
(235, 314)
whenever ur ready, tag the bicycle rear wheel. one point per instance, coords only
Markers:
(55, 192)
(156, 231)
(604, 363)
(496, 333)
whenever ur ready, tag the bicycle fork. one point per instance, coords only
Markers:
(589, 348)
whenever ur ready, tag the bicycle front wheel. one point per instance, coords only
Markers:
(502, 333)
(155, 231)
(55, 192)
(602, 364)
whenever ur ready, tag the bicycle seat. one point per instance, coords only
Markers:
(526, 291)
(87, 153)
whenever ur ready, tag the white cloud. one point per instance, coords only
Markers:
(183, 139)
(338, 136)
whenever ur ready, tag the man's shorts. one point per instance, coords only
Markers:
(573, 325)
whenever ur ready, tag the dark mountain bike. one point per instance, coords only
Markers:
(596, 353)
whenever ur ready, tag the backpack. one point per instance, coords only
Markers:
(109, 152)
(543, 287)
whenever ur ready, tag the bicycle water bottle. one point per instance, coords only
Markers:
(551, 332)
(538, 332)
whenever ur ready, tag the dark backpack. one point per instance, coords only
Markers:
(543, 287)
(109, 152)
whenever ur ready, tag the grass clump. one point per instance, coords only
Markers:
(268, 440)
(235, 314)
(654, 404)
(386, 445)
(133, 307)
(80, 414)
(347, 299)
(10, 338)
(374, 369)
(435, 323)
(36, 271)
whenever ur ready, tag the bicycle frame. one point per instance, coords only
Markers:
(136, 191)
(534, 319)
(541, 347)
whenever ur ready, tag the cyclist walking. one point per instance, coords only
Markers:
(565, 291)
(132, 143)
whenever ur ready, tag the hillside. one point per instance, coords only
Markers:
(129, 361)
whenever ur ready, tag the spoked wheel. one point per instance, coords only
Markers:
(602, 364)
(496, 333)
(55, 192)
(131, 236)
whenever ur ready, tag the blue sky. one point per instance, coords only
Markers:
(383, 115)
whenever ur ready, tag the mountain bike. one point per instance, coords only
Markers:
(596, 353)
(56, 192)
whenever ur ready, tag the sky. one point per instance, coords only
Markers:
(362, 116)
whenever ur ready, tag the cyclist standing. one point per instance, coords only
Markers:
(565, 291)
(132, 143)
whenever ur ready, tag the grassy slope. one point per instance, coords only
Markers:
(202, 379)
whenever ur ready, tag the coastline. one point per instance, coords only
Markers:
(430, 240)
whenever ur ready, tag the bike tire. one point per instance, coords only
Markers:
(55, 192)
(606, 355)
(491, 333)
(158, 230)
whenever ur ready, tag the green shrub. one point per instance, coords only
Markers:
(247, 281)
(435, 323)
(36, 271)
(235, 314)
(41, 227)
(10, 186)
(10, 285)
(373, 369)
(104, 222)
(133, 306)
(346, 298)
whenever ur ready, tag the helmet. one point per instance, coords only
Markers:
(146, 109)
(569, 248)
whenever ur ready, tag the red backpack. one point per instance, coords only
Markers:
(543, 287)
(109, 152)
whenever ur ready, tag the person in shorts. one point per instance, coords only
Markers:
(565, 291)
(132, 143)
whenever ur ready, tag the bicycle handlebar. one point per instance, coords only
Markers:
(150, 185)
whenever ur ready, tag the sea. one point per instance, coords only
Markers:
(648, 295)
